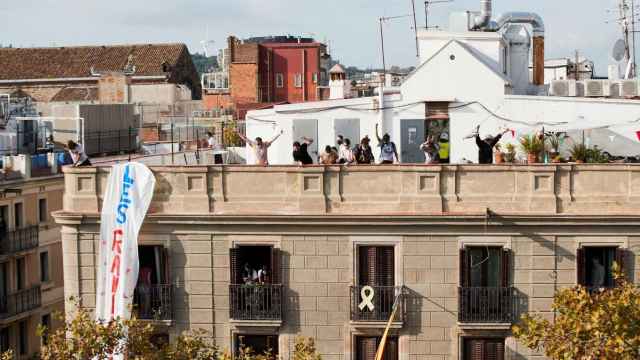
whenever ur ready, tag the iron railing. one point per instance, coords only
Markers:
(153, 302)
(19, 302)
(382, 301)
(19, 240)
(255, 302)
(486, 304)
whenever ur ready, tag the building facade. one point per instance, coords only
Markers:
(267, 70)
(31, 279)
(462, 250)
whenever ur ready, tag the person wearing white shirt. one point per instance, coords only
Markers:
(211, 140)
(345, 156)
(78, 156)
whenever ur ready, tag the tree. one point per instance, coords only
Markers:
(305, 349)
(601, 324)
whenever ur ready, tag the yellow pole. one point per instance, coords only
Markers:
(383, 341)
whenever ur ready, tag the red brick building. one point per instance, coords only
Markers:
(271, 70)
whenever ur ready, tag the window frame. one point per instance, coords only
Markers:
(297, 80)
(41, 218)
(21, 276)
(45, 271)
(279, 80)
(18, 214)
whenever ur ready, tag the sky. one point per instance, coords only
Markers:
(350, 27)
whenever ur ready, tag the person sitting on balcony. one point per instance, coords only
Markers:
(346, 153)
(486, 145)
(301, 153)
(260, 148)
(430, 149)
(388, 148)
(328, 157)
(78, 156)
(363, 153)
(249, 275)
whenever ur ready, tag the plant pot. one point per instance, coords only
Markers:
(532, 158)
(555, 161)
(498, 157)
(579, 161)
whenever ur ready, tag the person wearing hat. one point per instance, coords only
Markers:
(443, 145)
(430, 149)
(363, 152)
(485, 146)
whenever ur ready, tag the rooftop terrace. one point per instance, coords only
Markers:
(399, 190)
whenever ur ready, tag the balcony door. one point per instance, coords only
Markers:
(376, 269)
(153, 295)
(595, 265)
(484, 349)
(366, 348)
(485, 294)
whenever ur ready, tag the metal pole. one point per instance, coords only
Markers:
(384, 65)
(426, 14)
(171, 141)
(415, 26)
(633, 39)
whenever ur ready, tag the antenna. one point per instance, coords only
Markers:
(206, 42)
(428, 3)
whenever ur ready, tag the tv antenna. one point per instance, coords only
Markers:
(206, 42)
(382, 20)
(428, 3)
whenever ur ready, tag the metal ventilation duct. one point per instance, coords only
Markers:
(538, 38)
(482, 21)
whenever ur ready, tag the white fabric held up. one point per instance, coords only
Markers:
(126, 200)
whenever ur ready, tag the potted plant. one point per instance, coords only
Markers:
(532, 145)
(556, 159)
(498, 155)
(510, 155)
(579, 153)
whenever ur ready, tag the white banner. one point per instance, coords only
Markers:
(126, 201)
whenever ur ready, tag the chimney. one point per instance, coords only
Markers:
(231, 45)
(113, 88)
(538, 60)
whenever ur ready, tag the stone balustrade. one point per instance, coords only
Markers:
(585, 189)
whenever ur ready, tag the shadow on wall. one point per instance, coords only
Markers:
(292, 309)
(181, 298)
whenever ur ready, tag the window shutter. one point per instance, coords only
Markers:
(506, 267)
(234, 266)
(580, 264)
(500, 351)
(367, 347)
(275, 276)
(477, 350)
(391, 349)
(621, 259)
(372, 270)
(464, 269)
(385, 266)
(363, 265)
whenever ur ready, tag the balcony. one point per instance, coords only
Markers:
(20, 302)
(482, 305)
(382, 301)
(154, 302)
(256, 302)
(19, 240)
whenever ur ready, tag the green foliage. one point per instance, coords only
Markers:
(230, 136)
(531, 144)
(510, 154)
(596, 156)
(578, 152)
(204, 64)
(305, 349)
(604, 324)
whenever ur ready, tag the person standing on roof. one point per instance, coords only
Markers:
(430, 149)
(485, 146)
(387, 148)
(443, 145)
(300, 151)
(260, 148)
(363, 153)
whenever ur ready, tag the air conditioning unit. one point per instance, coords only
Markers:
(628, 88)
(597, 88)
(615, 89)
(565, 88)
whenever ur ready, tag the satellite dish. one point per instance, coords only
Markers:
(619, 50)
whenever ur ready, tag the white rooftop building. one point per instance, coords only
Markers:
(477, 73)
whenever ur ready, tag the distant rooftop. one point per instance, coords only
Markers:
(77, 61)
(278, 39)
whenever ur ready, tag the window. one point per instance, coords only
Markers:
(46, 323)
(483, 349)
(315, 78)
(4, 218)
(484, 266)
(20, 275)
(298, 81)
(42, 210)
(17, 214)
(595, 265)
(260, 344)
(23, 338)
(376, 266)
(279, 80)
(152, 297)
(4, 339)
(366, 348)
(44, 266)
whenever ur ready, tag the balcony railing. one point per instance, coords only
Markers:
(19, 240)
(382, 301)
(255, 302)
(486, 304)
(153, 302)
(19, 302)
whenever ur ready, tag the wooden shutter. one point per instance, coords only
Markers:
(477, 349)
(275, 275)
(464, 268)
(385, 266)
(391, 349)
(506, 267)
(367, 347)
(500, 351)
(580, 264)
(621, 259)
(234, 266)
(372, 270)
(494, 350)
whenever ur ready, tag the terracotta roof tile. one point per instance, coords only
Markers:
(72, 62)
(76, 94)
